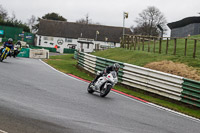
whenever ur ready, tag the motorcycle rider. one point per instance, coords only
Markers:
(107, 70)
(17, 48)
(18, 44)
(9, 44)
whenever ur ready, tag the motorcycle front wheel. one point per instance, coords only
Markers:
(3, 56)
(105, 91)
(89, 89)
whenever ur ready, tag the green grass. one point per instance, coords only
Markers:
(67, 64)
(141, 58)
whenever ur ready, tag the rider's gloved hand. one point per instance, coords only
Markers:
(105, 74)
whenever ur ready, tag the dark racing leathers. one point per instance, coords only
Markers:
(10, 45)
(7, 44)
(107, 70)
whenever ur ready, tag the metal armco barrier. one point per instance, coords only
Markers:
(153, 81)
(164, 84)
(191, 92)
(90, 63)
(102, 63)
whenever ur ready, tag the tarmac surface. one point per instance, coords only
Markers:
(34, 98)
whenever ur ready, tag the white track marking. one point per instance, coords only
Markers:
(149, 104)
(1, 131)
(61, 72)
(174, 112)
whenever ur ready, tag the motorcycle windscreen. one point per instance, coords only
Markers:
(114, 74)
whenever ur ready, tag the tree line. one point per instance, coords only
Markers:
(5, 20)
(146, 24)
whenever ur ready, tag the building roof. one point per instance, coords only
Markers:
(184, 22)
(75, 30)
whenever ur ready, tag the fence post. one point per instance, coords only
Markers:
(185, 46)
(149, 45)
(160, 45)
(120, 43)
(135, 43)
(120, 39)
(143, 44)
(175, 40)
(167, 45)
(195, 45)
(129, 42)
(126, 42)
(123, 40)
(132, 42)
(154, 45)
(139, 43)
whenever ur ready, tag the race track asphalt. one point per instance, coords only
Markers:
(34, 98)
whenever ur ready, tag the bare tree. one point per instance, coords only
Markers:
(86, 20)
(31, 23)
(32, 20)
(13, 18)
(148, 21)
(81, 21)
(3, 13)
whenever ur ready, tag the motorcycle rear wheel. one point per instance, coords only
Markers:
(89, 89)
(104, 92)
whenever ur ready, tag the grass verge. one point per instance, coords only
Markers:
(66, 64)
(141, 58)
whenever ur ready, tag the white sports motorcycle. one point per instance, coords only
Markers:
(104, 84)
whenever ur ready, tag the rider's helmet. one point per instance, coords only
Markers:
(116, 66)
(10, 40)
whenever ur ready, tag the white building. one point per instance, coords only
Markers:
(83, 37)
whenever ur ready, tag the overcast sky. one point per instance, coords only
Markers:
(106, 12)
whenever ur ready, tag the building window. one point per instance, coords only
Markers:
(39, 40)
(72, 46)
(68, 40)
(51, 38)
(48, 38)
(88, 45)
(45, 38)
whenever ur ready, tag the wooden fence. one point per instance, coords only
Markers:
(162, 45)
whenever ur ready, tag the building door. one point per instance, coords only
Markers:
(82, 50)
(39, 40)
